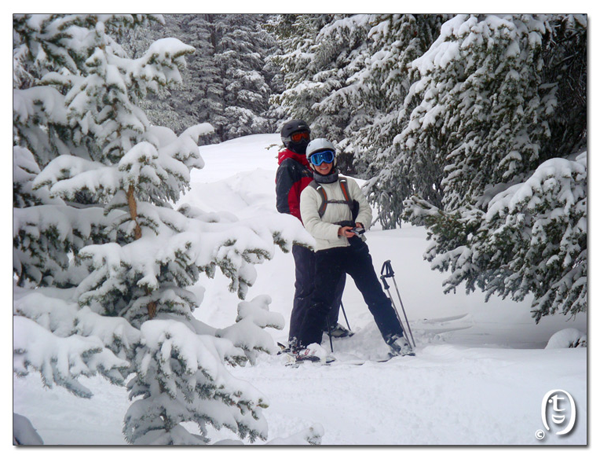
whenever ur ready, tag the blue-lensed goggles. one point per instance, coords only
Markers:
(325, 156)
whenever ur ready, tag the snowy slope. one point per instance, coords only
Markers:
(479, 378)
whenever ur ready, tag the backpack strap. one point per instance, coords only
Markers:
(323, 195)
(344, 186)
(352, 203)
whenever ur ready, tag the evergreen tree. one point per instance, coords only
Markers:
(347, 75)
(172, 106)
(297, 35)
(481, 103)
(102, 258)
(228, 82)
(513, 215)
(442, 114)
(202, 31)
(240, 56)
(319, 56)
(383, 85)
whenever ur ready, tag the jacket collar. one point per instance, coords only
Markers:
(287, 153)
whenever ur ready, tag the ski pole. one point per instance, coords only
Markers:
(389, 272)
(329, 333)
(345, 316)
(387, 291)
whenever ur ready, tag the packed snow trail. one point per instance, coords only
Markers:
(479, 376)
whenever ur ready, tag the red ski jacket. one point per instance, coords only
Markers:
(293, 175)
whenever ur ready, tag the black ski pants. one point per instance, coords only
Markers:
(304, 260)
(333, 264)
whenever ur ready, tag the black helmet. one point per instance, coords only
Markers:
(290, 128)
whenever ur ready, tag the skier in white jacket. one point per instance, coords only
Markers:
(335, 212)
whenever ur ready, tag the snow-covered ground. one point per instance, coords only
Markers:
(479, 377)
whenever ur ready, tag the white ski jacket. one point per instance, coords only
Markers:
(325, 230)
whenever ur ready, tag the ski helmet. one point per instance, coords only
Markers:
(318, 145)
(292, 127)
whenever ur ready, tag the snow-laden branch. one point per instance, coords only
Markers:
(159, 167)
(532, 239)
(182, 374)
(181, 245)
(62, 360)
(247, 333)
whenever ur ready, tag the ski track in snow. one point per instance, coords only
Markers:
(479, 376)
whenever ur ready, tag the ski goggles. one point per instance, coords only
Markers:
(299, 136)
(320, 157)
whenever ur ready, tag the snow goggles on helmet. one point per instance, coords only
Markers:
(320, 157)
(299, 136)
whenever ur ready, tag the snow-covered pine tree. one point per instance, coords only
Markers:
(240, 55)
(339, 53)
(102, 260)
(296, 34)
(203, 73)
(228, 82)
(172, 106)
(530, 239)
(482, 104)
(513, 218)
(319, 55)
(49, 232)
(348, 76)
(395, 40)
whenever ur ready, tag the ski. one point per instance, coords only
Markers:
(331, 360)
(446, 319)
(359, 362)
(446, 324)
(336, 362)
(292, 362)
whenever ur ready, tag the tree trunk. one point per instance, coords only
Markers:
(137, 234)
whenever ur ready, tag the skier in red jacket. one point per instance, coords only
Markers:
(293, 175)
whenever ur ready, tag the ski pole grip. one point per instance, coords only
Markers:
(387, 267)
(385, 284)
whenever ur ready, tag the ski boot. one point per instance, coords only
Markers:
(313, 353)
(338, 331)
(399, 345)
